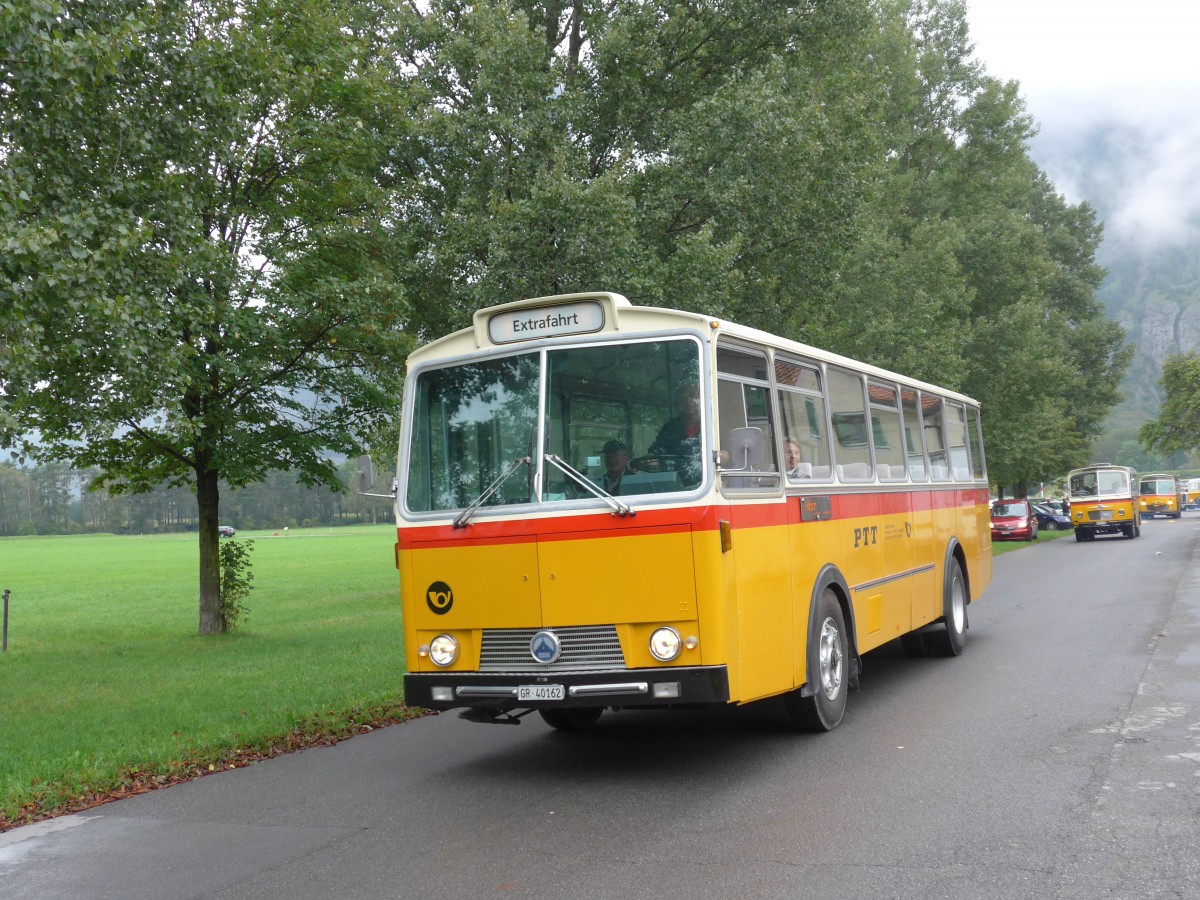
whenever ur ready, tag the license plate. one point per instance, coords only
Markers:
(541, 692)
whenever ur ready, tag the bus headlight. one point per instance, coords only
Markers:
(665, 644)
(443, 650)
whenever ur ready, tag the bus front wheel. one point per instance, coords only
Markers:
(828, 669)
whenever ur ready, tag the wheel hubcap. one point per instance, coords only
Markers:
(831, 658)
(958, 605)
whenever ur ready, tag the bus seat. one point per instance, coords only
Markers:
(859, 470)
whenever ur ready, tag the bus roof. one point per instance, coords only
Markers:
(508, 326)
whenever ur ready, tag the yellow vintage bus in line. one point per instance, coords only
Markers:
(1159, 495)
(1104, 500)
(604, 506)
(1190, 490)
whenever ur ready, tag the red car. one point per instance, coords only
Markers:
(1013, 520)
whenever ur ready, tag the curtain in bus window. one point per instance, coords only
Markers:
(886, 432)
(470, 423)
(802, 408)
(626, 416)
(913, 446)
(851, 441)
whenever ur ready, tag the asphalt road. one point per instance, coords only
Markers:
(1058, 757)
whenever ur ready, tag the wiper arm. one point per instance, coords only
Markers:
(621, 509)
(464, 517)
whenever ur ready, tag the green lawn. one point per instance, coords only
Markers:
(105, 674)
(999, 547)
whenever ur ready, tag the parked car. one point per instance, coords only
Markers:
(226, 530)
(1056, 505)
(1051, 519)
(1014, 520)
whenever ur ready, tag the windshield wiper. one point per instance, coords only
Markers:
(464, 517)
(621, 509)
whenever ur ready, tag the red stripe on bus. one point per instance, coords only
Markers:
(763, 514)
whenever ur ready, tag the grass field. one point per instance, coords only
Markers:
(106, 679)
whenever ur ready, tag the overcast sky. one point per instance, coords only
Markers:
(1083, 62)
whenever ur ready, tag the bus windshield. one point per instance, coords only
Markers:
(1157, 486)
(1101, 483)
(625, 416)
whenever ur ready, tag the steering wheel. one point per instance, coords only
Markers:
(658, 462)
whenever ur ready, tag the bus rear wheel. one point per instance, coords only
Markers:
(576, 719)
(951, 641)
(828, 669)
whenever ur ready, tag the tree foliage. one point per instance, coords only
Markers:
(223, 223)
(1177, 428)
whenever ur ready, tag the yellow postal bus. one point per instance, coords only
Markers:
(1190, 491)
(603, 506)
(1104, 500)
(1158, 495)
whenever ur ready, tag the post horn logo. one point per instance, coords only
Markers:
(439, 597)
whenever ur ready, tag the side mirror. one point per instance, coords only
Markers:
(747, 448)
(365, 477)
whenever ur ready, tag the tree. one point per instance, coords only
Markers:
(1177, 428)
(193, 260)
(975, 273)
(702, 155)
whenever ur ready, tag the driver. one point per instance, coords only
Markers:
(680, 435)
(616, 466)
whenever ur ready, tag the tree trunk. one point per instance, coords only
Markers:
(208, 499)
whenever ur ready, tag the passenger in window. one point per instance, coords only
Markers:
(791, 456)
(678, 441)
(616, 466)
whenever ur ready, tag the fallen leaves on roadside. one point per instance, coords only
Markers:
(321, 731)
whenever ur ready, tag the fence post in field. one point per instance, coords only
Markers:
(5, 645)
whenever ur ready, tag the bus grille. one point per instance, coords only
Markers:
(1100, 515)
(589, 648)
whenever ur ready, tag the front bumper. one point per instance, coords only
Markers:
(698, 685)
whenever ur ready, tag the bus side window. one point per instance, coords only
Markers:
(851, 440)
(933, 414)
(886, 433)
(802, 411)
(914, 447)
(744, 401)
(975, 437)
(956, 429)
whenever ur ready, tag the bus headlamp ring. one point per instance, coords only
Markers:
(443, 650)
(665, 644)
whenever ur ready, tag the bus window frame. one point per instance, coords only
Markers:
(823, 474)
(541, 347)
(918, 432)
(898, 410)
(759, 481)
(839, 468)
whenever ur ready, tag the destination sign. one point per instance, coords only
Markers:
(583, 317)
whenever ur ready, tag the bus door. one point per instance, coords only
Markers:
(926, 590)
(876, 524)
(750, 480)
